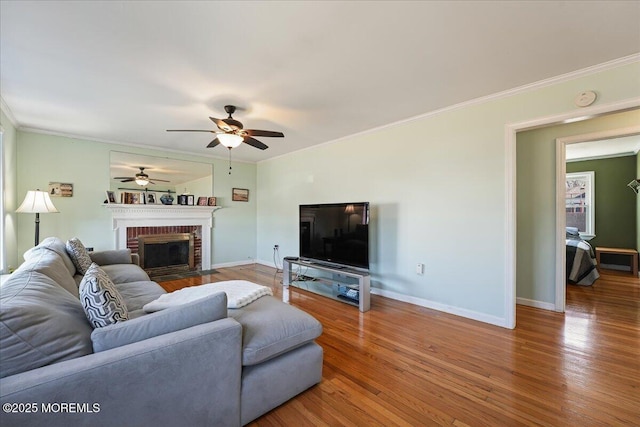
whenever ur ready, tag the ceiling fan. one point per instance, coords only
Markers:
(141, 178)
(232, 134)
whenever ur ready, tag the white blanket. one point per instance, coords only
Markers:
(239, 293)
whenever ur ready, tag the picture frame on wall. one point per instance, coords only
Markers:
(151, 198)
(202, 201)
(190, 199)
(60, 189)
(211, 201)
(182, 199)
(240, 195)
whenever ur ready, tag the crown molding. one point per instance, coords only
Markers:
(609, 65)
(124, 144)
(7, 112)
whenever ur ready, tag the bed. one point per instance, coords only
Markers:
(581, 260)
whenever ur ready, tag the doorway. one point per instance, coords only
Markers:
(611, 137)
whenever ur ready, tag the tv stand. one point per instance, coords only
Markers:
(338, 282)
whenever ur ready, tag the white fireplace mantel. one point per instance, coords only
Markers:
(125, 216)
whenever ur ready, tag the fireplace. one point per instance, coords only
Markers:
(166, 253)
(130, 221)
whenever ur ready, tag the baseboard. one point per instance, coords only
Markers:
(536, 304)
(234, 264)
(469, 314)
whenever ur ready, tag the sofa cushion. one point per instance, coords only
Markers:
(271, 327)
(112, 256)
(137, 294)
(49, 263)
(208, 309)
(101, 301)
(40, 323)
(56, 245)
(79, 255)
(122, 273)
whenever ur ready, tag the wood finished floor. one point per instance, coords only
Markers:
(400, 364)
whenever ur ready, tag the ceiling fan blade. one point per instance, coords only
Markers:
(213, 143)
(255, 143)
(127, 180)
(269, 133)
(159, 180)
(190, 130)
(221, 124)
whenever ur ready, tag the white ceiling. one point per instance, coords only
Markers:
(317, 71)
(627, 145)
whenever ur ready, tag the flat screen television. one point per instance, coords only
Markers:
(335, 234)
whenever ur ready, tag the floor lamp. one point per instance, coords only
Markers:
(37, 202)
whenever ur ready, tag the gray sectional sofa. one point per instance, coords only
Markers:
(199, 364)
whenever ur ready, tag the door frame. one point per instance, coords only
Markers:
(511, 129)
(561, 218)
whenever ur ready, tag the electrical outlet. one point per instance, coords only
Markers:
(276, 247)
(420, 269)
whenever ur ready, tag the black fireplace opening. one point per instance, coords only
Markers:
(166, 253)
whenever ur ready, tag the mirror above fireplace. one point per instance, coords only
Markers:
(183, 176)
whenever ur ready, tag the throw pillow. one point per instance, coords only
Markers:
(101, 301)
(79, 255)
(208, 309)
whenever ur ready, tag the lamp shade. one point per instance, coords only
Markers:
(37, 202)
(141, 180)
(230, 140)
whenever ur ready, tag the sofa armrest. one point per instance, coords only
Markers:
(113, 256)
(189, 377)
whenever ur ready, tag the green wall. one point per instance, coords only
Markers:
(536, 201)
(615, 202)
(637, 204)
(43, 158)
(9, 193)
(437, 186)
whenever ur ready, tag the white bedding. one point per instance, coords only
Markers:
(239, 293)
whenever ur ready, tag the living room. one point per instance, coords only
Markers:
(440, 181)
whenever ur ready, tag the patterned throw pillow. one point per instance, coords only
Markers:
(79, 255)
(101, 301)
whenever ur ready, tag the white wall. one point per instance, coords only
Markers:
(437, 189)
(43, 158)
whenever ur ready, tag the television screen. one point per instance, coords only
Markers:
(336, 233)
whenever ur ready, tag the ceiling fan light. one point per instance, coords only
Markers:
(230, 140)
(142, 181)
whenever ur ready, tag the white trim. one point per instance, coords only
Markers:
(510, 229)
(561, 171)
(469, 314)
(126, 144)
(234, 263)
(510, 187)
(604, 156)
(591, 196)
(536, 304)
(498, 95)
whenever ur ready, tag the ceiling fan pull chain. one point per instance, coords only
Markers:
(229, 160)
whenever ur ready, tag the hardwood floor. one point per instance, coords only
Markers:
(400, 364)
